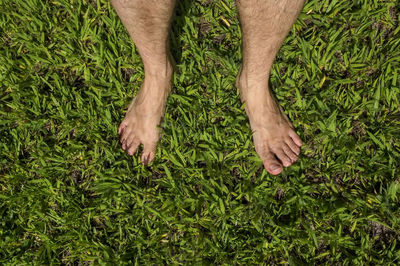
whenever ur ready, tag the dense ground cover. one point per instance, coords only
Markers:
(70, 195)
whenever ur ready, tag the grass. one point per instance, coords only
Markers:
(70, 195)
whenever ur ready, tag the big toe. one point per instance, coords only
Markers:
(272, 165)
(148, 153)
(147, 157)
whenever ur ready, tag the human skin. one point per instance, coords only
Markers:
(264, 25)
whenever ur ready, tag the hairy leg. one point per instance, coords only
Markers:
(148, 23)
(264, 25)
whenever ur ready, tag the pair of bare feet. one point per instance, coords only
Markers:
(274, 138)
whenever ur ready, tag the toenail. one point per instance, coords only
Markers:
(274, 167)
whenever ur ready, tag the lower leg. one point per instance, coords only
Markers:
(265, 24)
(148, 23)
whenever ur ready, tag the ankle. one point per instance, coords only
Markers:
(252, 82)
(159, 71)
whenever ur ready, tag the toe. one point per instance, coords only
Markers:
(134, 146)
(282, 157)
(151, 157)
(124, 137)
(289, 152)
(148, 149)
(272, 165)
(293, 146)
(130, 139)
(148, 157)
(122, 126)
(123, 142)
(295, 138)
(145, 158)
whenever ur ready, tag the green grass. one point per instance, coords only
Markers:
(70, 195)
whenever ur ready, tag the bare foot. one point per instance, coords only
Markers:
(144, 114)
(275, 140)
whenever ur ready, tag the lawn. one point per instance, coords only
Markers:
(70, 195)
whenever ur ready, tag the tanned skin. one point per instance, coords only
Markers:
(264, 25)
